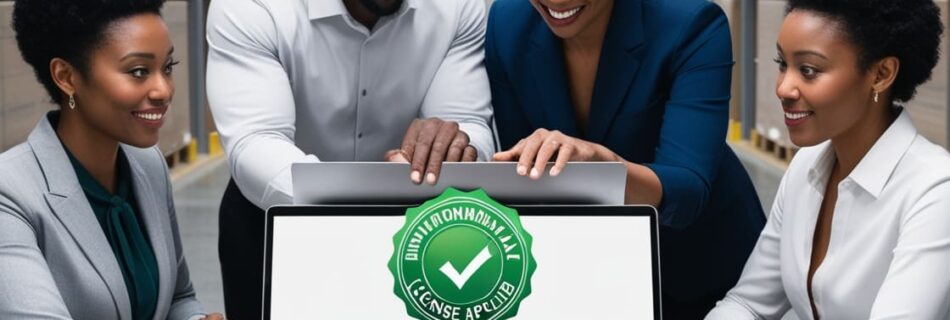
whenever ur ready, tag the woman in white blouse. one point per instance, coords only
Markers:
(860, 227)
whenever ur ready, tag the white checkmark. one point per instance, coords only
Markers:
(461, 278)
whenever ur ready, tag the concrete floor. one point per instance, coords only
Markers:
(198, 195)
(197, 199)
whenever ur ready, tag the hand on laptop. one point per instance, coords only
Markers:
(213, 316)
(427, 144)
(534, 152)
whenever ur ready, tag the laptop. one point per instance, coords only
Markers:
(388, 183)
(330, 262)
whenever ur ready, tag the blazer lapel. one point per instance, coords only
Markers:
(549, 87)
(617, 68)
(69, 204)
(152, 211)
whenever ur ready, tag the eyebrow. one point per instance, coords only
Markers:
(809, 53)
(144, 55)
(802, 53)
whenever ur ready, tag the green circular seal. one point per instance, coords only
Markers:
(462, 256)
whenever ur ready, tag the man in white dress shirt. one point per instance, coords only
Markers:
(293, 81)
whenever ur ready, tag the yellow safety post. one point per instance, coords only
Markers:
(192, 151)
(214, 144)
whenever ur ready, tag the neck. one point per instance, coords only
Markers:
(96, 151)
(361, 13)
(590, 39)
(852, 145)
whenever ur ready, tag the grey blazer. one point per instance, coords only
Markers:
(55, 261)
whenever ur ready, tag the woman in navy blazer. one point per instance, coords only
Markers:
(645, 82)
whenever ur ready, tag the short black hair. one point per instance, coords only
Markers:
(909, 30)
(68, 29)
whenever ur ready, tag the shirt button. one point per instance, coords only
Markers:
(364, 92)
(359, 135)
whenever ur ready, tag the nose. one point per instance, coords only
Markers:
(162, 90)
(786, 87)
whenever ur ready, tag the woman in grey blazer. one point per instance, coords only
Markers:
(87, 222)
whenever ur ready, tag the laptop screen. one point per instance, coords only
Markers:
(330, 262)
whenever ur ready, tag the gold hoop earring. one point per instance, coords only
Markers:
(875, 96)
(72, 102)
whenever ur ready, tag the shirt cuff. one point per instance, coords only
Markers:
(480, 137)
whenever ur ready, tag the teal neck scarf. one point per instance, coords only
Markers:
(120, 223)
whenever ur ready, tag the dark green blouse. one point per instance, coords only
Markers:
(126, 234)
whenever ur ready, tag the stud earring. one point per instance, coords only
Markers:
(72, 102)
(875, 96)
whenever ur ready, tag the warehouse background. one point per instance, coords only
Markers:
(188, 139)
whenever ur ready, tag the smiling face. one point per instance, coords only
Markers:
(128, 87)
(823, 91)
(570, 18)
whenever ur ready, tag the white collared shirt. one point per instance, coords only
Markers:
(889, 253)
(301, 81)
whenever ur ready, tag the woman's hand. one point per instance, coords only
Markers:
(534, 152)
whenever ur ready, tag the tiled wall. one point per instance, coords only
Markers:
(23, 101)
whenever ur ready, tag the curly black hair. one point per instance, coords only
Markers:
(68, 29)
(909, 30)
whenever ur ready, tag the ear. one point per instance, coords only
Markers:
(883, 73)
(64, 75)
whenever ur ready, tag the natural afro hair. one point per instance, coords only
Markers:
(909, 30)
(68, 29)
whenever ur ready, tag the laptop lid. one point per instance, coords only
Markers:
(330, 262)
(388, 183)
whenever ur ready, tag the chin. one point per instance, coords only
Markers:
(566, 32)
(803, 140)
(142, 143)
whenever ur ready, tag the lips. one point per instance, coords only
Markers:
(149, 116)
(796, 117)
(561, 17)
(152, 117)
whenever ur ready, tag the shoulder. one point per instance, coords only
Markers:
(260, 21)
(244, 12)
(512, 20)
(513, 13)
(925, 165)
(22, 184)
(511, 24)
(448, 20)
(681, 12)
(16, 157)
(247, 9)
(18, 166)
(682, 19)
(462, 9)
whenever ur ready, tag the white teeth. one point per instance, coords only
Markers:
(797, 115)
(564, 14)
(150, 116)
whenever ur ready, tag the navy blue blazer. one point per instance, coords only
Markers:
(661, 99)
